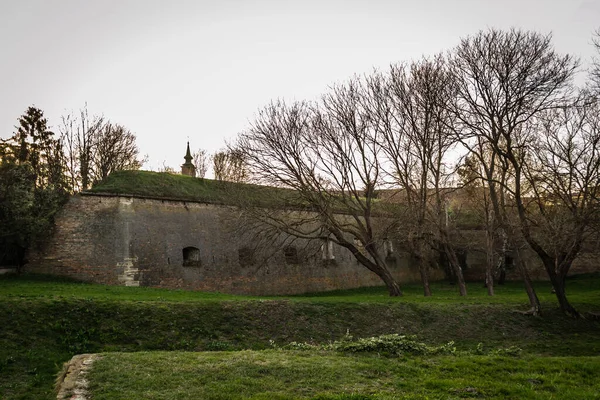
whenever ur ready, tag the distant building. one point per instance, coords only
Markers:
(188, 168)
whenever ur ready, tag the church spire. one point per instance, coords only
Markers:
(188, 157)
(188, 168)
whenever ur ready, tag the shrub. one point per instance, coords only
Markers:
(392, 344)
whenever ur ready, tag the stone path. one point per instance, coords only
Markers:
(74, 383)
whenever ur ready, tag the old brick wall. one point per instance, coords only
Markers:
(473, 242)
(140, 242)
(134, 241)
(83, 243)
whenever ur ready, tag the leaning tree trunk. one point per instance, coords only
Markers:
(378, 266)
(534, 302)
(460, 280)
(453, 260)
(390, 282)
(558, 284)
(565, 306)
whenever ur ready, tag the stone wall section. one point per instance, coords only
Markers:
(82, 244)
(132, 241)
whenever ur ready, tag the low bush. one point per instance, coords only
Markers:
(392, 344)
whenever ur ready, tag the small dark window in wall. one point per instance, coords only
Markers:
(191, 257)
(246, 256)
(291, 255)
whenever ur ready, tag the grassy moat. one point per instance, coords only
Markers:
(167, 344)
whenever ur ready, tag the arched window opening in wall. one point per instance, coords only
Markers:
(291, 255)
(191, 257)
(246, 256)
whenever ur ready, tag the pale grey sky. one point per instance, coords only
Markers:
(169, 70)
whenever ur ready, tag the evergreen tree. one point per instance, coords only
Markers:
(32, 186)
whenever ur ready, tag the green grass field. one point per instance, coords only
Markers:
(45, 321)
(307, 375)
(583, 290)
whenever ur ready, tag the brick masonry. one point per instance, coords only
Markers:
(131, 241)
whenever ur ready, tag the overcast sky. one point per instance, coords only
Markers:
(169, 70)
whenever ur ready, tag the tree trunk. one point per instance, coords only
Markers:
(462, 287)
(502, 274)
(423, 256)
(424, 270)
(375, 263)
(489, 282)
(453, 260)
(489, 277)
(449, 273)
(558, 284)
(565, 306)
(502, 258)
(390, 282)
(534, 302)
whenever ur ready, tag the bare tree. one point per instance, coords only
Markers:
(230, 165)
(115, 150)
(94, 147)
(410, 107)
(563, 172)
(201, 161)
(474, 183)
(328, 154)
(79, 134)
(595, 71)
(504, 79)
(166, 168)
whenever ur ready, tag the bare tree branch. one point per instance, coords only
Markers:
(201, 160)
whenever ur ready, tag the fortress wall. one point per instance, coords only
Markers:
(473, 242)
(133, 241)
(83, 242)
